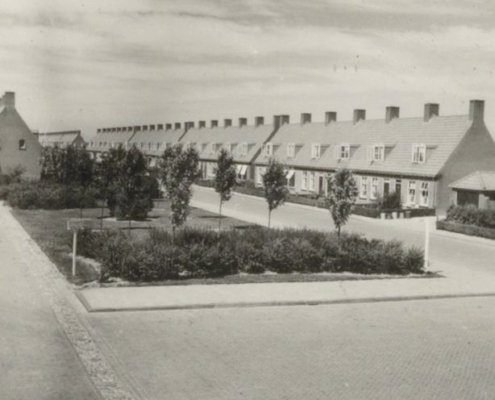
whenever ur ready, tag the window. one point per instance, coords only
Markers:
(363, 190)
(210, 169)
(158, 146)
(378, 153)
(259, 177)
(291, 178)
(22, 144)
(345, 152)
(243, 149)
(213, 148)
(315, 150)
(291, 150)
(268, 149)
(304, 181)
(425, 186)
(411, 194)
(418, 153)
(374, 188)
(311, 181)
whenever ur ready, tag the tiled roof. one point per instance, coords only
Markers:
(478, 181)
(248, 136)
(440, 135)
(67, 137)
(105, 140)
(153, 142)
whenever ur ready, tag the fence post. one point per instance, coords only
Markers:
(427, 244)
(74, 250)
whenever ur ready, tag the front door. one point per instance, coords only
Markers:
(386, 188)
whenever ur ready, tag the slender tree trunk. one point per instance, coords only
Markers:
(173, 234)
(269, 217)
(130, 222)
(101, 219)
(220, 215)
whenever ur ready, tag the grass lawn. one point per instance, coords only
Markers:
(49, 229)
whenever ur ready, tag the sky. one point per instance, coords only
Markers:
(103, 63)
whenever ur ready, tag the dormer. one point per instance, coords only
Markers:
(315, 151)
(418, 153)
(268, 149)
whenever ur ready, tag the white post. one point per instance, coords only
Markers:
(427, 244)
(74, 248)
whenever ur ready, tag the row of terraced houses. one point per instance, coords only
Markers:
(423, 158)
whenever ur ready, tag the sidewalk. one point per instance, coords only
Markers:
(46, 351)
(458, 283)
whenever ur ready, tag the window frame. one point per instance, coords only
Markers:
(418, 155)
(373, 188)
(411, 189)
(363, 184)
(344, 152)
(315, 151)
(424, 187)
(22, 145)
(381, 157)
(291, 150)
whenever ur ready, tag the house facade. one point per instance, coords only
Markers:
(417, 157)
(242, 141)
(19, 147)
(61, 139)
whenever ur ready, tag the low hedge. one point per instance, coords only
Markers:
(198, 253)
(466, 229)
(48, 196)
(471, 215)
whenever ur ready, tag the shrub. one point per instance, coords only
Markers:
(471, 215)
(199, 253)
(391, 201)
(49, 196)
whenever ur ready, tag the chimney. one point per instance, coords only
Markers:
(305, 118)
(168, 126)
(8, 100)
(137, 128)
(227, 122)
(152, 127)
(358, 115)
(177, 125)
(188, 125)
(431, 109)
(202, 124)
(330, 116)
(129, 129)
(98, 130)
(242, 122)
(391, 113)
(476, 110)
(276, 121)
(160, 127)
(145, 127)
(214, 123)
(259, 121)
(284, 119)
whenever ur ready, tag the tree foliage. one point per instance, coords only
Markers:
(275, 183)
(225, 179)
(178, 170)
(341, 196)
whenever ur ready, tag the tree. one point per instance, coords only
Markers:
(225, 179)
(275, 182)
(178, 170)
(342, 194)
(110, 175)
(134, 197)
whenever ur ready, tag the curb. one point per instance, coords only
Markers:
(280, 303)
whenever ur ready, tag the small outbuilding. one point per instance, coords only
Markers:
(477, 188)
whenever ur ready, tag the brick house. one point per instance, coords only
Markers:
(61, 139)
(18, 145)
(418, 157)
(242, 141)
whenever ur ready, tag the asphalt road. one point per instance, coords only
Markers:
(436, 349)
(450, 251)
